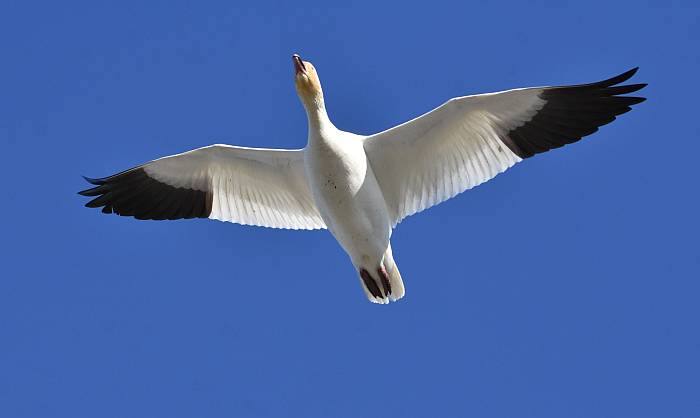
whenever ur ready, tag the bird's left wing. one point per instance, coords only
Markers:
(469, 140)
(250, 186)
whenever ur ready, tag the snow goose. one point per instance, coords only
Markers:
(360, 187)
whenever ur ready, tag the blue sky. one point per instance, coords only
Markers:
(567, 287)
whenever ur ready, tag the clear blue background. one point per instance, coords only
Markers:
(567, 287)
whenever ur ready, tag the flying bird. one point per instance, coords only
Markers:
(360, 187)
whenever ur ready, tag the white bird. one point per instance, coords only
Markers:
(361, 187)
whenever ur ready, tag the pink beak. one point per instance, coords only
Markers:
(298, 64)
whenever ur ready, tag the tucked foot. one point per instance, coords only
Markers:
(376, 289)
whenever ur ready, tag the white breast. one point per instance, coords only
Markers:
(347, 194)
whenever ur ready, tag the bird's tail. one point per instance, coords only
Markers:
(383, 284)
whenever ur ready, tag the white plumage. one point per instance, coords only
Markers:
(360, 187)
(451, 149)
(261, 187)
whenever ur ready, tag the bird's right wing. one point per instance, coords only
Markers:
(471, 139)
(249, 186)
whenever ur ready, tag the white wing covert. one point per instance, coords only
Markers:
(469, 140)
(249, 186)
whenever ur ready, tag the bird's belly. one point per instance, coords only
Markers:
(351, 203)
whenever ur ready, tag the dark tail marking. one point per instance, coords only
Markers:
(385, 280)
(371, 284)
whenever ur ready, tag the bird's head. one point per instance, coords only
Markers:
(307, 83)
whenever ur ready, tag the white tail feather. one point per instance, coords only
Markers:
(392, 270)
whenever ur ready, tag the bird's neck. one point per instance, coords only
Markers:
(317, 115)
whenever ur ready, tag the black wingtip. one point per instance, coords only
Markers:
(91, 191)
(635, 100)
(572, 112)
(96, 182)
(629, 73)
(133, 193)
(621, 78)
